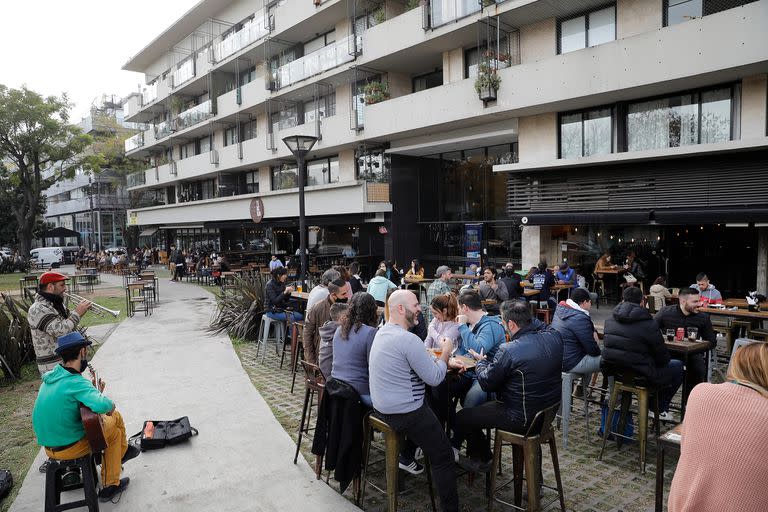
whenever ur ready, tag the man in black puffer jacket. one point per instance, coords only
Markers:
(581, 353)
(524, 374)
(633, 341)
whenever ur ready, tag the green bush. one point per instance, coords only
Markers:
(8, 266)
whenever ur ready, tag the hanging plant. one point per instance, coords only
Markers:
(177, 105)
(379, 15)
(498, 56)
(487, 82)
(376, 92)
(488, 3)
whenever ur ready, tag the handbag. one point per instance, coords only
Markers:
(6, 482)
(629, 428)
(159, 433)
(629, 277)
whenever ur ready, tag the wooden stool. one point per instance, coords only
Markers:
(526, 453)
(758, 334)
(625, 384)
(314, 382)
(392, 453)
(545, 314)
(54, 484)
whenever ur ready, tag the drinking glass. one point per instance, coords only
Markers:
(670, 334)
(693, 333)
(456, 344)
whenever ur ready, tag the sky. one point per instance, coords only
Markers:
(80, 46)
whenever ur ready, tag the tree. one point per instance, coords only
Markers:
(40, 148)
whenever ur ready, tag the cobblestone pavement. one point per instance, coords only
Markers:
(613, 484)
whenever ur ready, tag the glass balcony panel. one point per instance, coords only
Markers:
(149, 94)
(194, 115)
(137, 178)
(184, 73)
(314, 63)
(134, 142)
(163, 129)
(251, 31)
(445, 11)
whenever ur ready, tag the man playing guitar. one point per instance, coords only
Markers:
(57, 422)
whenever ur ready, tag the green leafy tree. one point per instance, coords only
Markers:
(39, 148)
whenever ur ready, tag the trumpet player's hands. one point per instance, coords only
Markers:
(83, 307)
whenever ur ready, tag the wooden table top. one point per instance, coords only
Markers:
(464, 276)
(469, 362)
(687, 347)
(530, 293)
(619, 270)
(300, 295)
(736, 313)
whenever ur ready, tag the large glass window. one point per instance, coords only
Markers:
(284, 176)
(678, 11)
(322, 107)
(428, 81)
(323, 171)
(248, 130)
(208, 189)
(591, 29)
(682, 120)
(586, 133)
(252, 182)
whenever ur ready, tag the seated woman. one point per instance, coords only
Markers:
(659, 292)
(278, 302)
(352, 344)
(445, 309)
(414, 275)
(724, 427)
(604, 263)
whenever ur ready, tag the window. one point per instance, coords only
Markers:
(590, 29)
(319, 42)
(205, 144)
(499, 55)
(247, 76)
(682, 120)
(284, 176)
(252, 182)
(230, 136)
(678, 11)
(323, 107)
(428, 81)
(248, 130)
(320, 172)
(187, 150)
(208, 188)
(586, 133)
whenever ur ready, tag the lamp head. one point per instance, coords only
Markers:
(300, 145)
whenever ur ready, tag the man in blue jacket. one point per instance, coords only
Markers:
(524, 374)
(581, 353)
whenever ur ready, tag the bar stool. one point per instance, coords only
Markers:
(264, 329)
(544, 314)
(564, 414)
(626, 384)
(55, 485)
(392, 453)
(314, 382)
(526, 453)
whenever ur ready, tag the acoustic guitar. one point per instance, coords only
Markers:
(93, 423)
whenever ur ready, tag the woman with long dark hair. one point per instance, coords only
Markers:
(352, 344)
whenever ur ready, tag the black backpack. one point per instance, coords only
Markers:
(6, 482)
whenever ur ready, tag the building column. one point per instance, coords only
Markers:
(530, 244)
(762, 260)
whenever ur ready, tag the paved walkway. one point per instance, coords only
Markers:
(165, 366)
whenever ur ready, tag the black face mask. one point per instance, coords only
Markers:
(509, 272)
(83, 364)
(342, 301)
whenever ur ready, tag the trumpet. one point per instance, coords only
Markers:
(96, 308)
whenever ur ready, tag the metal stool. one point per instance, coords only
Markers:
(264, 329)
(526, 453)
(565, 402)
(625, 384)
(392, 453)
(54, 484)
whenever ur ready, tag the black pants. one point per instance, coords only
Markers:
(695, 371)
(471, 423)
(422, 427)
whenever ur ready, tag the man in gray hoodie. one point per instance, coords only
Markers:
(708, 294)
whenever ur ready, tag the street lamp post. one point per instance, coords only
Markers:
(300, 145)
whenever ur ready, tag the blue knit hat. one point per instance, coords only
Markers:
(73, 339)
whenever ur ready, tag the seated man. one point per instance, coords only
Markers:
(317, 316)
(566, 274)
(399, 370)
(512, 280)
(56, 415)
(542, 280)
(491, 289)
(438, 287)
(684, 315)
(581, 353)
(633, 341)
(339, 311)
(708, 294)
(524, 374)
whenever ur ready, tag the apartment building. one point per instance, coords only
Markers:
(94, 206)
(455, 130)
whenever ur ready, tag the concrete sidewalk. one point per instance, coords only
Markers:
(165, 366)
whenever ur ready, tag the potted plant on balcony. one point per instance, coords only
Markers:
(376, 92)
(379, 15)
(487, 82)
(488, 3)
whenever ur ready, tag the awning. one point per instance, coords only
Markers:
(148, 232)
(711, 216)
(60, 232)
(579, 218)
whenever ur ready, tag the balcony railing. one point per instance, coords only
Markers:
(149, 94)
(137, 178)
(184, 72)
(194, 115)
(316, 62)
(163, 129)
(134, 142)
(441, 12)
(253, 30)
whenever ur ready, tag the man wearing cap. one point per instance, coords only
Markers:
(56, 415)
(49, 318)
(438, 287)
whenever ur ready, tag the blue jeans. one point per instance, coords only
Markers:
(366, 399)
(669, 380)
(282, 316)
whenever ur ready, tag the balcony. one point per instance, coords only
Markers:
(252, 31)
(184, 73)
(163, 129)
(441, 12)
(134, 142)
(317, 62)
(136, 178)
(149, 94)
(194, 115)
(80, 204)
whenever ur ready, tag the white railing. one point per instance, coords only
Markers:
(149, 94)
(184, 72)
(134, 142)
(445, 11)
(251, 31)
(314, 63)
(194, 115)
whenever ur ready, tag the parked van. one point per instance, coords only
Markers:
(44, 256)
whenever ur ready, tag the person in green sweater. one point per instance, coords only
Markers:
(56, 415)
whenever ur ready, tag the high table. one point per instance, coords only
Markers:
(687, 349)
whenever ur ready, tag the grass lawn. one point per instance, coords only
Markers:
(18, 447)
(115, 301)
(10, 282)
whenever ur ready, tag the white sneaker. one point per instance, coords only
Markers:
(413, 468)
(455, 454)
(664, 416)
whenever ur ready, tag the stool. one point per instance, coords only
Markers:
(565, 402)
(526, 453)
(298, 353)
(545, 314)
(314, 382)
(625, 384)
(741, 328)
(758, 334)
(392, 453)
(264, 329)
(54, 484)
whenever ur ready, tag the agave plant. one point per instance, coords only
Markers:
(240, 309)
(15, 338)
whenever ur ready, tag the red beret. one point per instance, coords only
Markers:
(52, 277)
